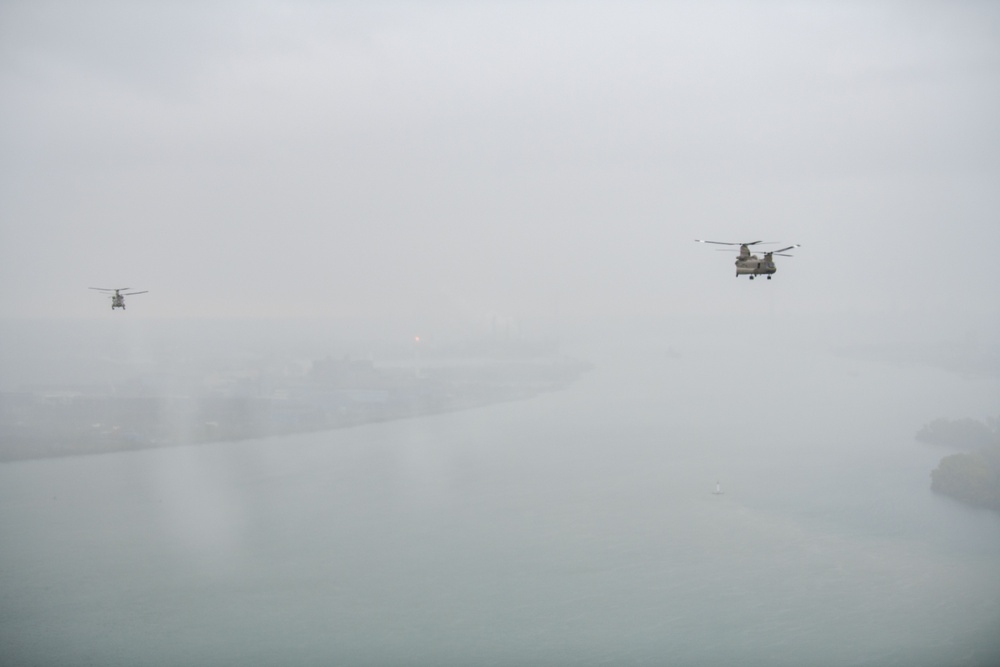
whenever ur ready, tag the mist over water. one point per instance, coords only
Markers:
(421, 223)
(573, 527)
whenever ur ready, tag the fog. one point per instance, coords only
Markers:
(330, 159)
(430, 369)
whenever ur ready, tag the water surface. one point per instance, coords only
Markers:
(577, 527)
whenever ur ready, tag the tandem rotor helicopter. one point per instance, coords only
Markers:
(118, 298)
(752, 265)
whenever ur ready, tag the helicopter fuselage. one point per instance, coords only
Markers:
(754, 266)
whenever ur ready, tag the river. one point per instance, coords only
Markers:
(577, 527)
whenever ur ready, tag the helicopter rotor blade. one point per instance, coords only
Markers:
(777, 252)
(131, 293)
(728, 243)
(101, 289)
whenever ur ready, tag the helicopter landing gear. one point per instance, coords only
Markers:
(751, 277)
(769, 277)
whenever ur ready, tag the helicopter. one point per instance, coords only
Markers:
(752, 265)
(118, 298)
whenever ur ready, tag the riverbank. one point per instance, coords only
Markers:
(333, 395)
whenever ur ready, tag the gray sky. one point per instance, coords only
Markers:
(522, 159)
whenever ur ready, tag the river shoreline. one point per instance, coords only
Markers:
(38, 426)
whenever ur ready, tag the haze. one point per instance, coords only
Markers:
(330, 159)
(438, 258)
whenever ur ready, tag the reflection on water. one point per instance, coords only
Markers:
(578, 527)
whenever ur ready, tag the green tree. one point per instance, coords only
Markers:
(971, 477)
(959, 433)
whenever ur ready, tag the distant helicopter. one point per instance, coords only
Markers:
(752, 265)
(118, 298)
